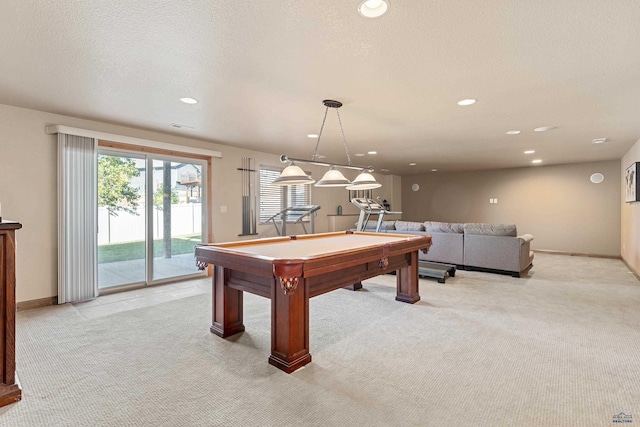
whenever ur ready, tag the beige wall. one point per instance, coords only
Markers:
(28, 190)
(558, 205)
(630, 215)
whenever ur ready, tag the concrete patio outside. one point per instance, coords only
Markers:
(118, 273)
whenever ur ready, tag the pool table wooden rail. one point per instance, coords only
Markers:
(326, 272)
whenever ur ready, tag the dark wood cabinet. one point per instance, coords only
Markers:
(9, 390)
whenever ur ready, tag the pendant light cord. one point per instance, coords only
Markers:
(315, 152)
(344, 139)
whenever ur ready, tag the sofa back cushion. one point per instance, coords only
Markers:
(385, 226)
(388, 225)
(491, 229)
(409, 226)
(443, 227)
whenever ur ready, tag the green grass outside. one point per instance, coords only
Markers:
(113, 252)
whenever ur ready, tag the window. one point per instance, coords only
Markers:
(274, 198)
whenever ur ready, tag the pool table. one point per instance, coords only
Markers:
(289, 270)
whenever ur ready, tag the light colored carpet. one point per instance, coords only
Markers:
(557, 348)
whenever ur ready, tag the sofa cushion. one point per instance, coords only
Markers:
(409, 226)
(491, 229)
(388, 225)
(443, 227)
(385, 226)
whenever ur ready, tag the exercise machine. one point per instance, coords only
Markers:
(370, 207)
(294, 215)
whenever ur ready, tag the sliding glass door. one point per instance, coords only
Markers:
(121, 220)
(177, 217)
(150, 217)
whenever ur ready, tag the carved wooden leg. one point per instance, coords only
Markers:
(226, 316)
(289, 327)
(407, 281)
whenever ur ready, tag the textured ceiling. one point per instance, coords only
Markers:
(261, 70)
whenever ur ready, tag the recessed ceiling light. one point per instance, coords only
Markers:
(599, 140)
(536, 161)
(359, 155)
(312, 135)
(529, 151)
(412, 164)
(513, 132)
(467, 101)
(189, 100)
(434, 170)
(543, 129)
(373, 8)
(372, 152)
(596, 178)
(320, 156)
(384, 170)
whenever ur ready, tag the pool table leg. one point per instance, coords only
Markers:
(354, 287)
(290, 328)
(407, 281)
(226, 318)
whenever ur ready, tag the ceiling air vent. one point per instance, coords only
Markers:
(179, 126)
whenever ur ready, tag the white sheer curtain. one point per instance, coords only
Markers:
(77, 218)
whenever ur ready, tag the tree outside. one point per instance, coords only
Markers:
(115, 191)
(158, 196)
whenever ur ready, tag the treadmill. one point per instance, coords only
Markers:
(370, 207)
(294, 215)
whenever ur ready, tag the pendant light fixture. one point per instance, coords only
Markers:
(364, 181)
(293, 175)
(333, 178)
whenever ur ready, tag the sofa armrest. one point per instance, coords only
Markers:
(526, 238)
(526, 256)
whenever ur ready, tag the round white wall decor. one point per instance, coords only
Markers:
(596, 178)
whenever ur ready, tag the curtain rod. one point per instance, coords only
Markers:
(53, 129)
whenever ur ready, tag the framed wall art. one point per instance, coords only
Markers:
(631, 183)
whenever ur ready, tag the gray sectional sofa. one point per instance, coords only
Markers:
(471, 246)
